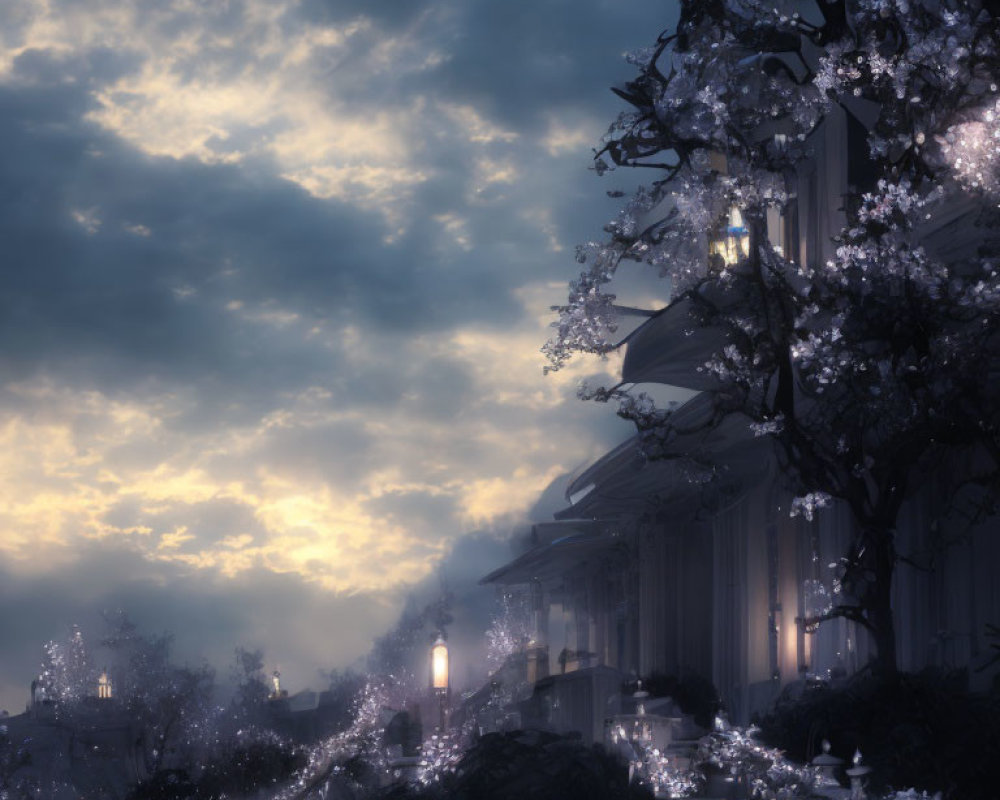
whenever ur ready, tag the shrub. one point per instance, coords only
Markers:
(922, 730)
(529, 764)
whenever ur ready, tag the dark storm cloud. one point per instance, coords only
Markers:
(113, 302)
(540, 58)
(215, 232)
(520, 60)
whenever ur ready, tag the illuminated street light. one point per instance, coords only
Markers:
(733, 241)
(439, 675)
(439, 665)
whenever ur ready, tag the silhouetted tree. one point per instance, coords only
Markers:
(169, 704)
(869, 368)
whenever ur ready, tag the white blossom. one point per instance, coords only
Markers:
(807, 505)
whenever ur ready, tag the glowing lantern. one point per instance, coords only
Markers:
(104, 687)
(733, 243)
(439, 665)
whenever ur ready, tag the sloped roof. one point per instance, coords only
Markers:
(624, 482)
(548, 532)
(306, 700)
(552, 559)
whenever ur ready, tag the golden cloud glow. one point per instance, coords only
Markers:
(486, 499)
(457, 230)
(561, 138)
(85, 466)
(476, 127)
(67, 482)
(72, 458)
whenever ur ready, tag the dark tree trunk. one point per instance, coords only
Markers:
(879, 601)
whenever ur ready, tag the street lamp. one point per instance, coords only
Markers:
(439, 674)
(732, 242)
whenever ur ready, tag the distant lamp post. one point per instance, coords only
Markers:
(439, 674)
(732, 242)
(104, 686)
(276, 691)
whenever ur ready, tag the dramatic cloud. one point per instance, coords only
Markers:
(276, 277)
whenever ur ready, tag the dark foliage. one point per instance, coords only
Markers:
(167, 784)
(530, 764)
(242, 771)
(245, 769)
(344, 688)
(166, 702)
(252, 689)
(695, 694)
(13, 756)
(359, 771)
(924, 730)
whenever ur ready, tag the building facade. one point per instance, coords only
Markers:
(652, 570)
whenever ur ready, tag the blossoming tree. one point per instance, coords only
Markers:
(864, 368)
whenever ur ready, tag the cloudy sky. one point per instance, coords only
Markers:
(275, 278)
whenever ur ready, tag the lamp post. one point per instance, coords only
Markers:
(733, 241)
(439, 674)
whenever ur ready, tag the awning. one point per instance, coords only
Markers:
(673, 346)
